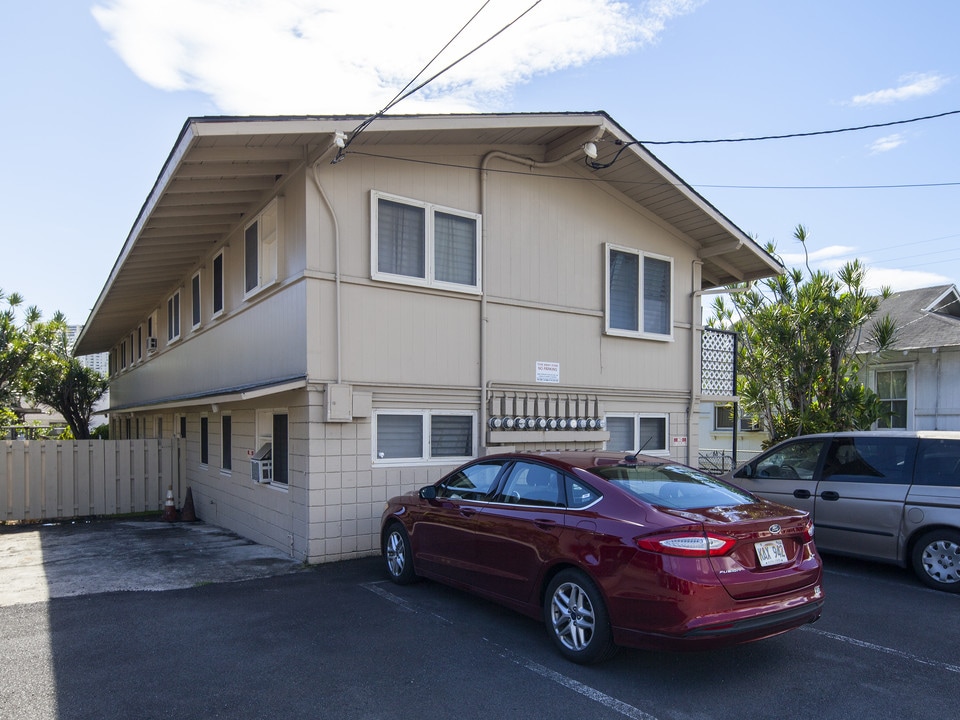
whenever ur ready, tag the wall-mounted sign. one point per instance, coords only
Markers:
(548, 372)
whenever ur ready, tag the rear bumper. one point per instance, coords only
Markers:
(721, 634)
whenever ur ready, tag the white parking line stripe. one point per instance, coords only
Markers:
(592, 693)
(880, 648)
(397, 600)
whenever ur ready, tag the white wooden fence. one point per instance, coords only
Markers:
(62, 479)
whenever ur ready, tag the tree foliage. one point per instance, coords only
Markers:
(59, 380)
(798, 371)
(36, 362)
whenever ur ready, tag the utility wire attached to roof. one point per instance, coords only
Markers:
(405, 93)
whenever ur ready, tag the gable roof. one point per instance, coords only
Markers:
(925, 318)
(222, 167)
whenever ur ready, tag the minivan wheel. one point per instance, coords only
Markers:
(576, 618)
(936, 560)
(397, 556)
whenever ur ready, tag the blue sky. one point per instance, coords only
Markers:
(96, 92)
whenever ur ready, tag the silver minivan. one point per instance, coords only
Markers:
(884, 495)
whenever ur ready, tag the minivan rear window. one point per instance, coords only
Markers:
(871, 459)
(938, 463)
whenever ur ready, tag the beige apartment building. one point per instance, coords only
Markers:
(327, 334)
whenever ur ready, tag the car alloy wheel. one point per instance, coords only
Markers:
(397, 556)
(576, 618)
(936, 560)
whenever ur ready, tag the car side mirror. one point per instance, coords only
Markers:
(428, 493)
(745, 472)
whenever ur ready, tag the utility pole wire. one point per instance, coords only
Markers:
(798, 135)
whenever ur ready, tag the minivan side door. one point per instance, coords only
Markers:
(786, 474)
(860, 496)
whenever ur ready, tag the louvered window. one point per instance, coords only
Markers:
(423, 436)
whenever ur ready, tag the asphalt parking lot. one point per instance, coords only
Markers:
(338, 641)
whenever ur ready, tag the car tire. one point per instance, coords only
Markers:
(397, 556)
(576, 618)
(936, 560)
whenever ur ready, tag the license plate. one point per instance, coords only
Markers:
(771, 552)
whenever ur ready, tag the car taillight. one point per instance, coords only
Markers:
(688, 544)
(807, 533)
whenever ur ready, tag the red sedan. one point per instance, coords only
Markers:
(611, 550)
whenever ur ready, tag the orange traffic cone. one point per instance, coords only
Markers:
(169, 511)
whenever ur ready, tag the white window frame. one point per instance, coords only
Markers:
(636, 417)
(426, 455)
(174, 317)
(221, 255)
(911, 392)
(225, 453)
(196, 304)
(268, 242)
(640, 332)
(264, 434)
(429, 279)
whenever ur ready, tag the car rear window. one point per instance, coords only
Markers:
(674, 486)
(938, 463)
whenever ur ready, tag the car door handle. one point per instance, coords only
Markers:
(801, 494)
(545, 524)
(468, 511)
(830, 495)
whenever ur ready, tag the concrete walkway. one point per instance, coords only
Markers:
(38, 563)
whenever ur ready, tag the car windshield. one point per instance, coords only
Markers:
(674, 486)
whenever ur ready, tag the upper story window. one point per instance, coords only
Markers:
(173, 317)
(424, 244)
(260, 240)
(723, 419)
(639, 294)
(218, 283)
(195, 307)
(892, 387)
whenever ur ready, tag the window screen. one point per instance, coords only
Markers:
(401, 239)
(451, 436)
(624, 290)
(455, 249)
(399, 436)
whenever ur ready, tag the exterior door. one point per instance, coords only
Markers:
(520, 530)
(786, 475)
(860, 497)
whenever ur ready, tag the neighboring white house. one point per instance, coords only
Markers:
(328, 334)
(919, 377)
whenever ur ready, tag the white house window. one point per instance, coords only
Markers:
(274, 439)
(195, 301)
(423, 436)
(424, 244)
(639, 290)
(173, 317)
(226, 442)
(723, 419)
(218, 284)
(260, 240)
(892, 391)
(630, 433)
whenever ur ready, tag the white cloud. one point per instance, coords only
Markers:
(886, 143)
(911, 86)
(830, 259)
(331, 56)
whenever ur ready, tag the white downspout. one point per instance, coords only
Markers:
(336, 251)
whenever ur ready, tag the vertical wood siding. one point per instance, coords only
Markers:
(59, 480)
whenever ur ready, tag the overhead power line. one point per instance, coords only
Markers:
(799, 135)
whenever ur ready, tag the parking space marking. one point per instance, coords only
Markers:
(591, 693)
(578, 687)
(375, 588)
(880, 648)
